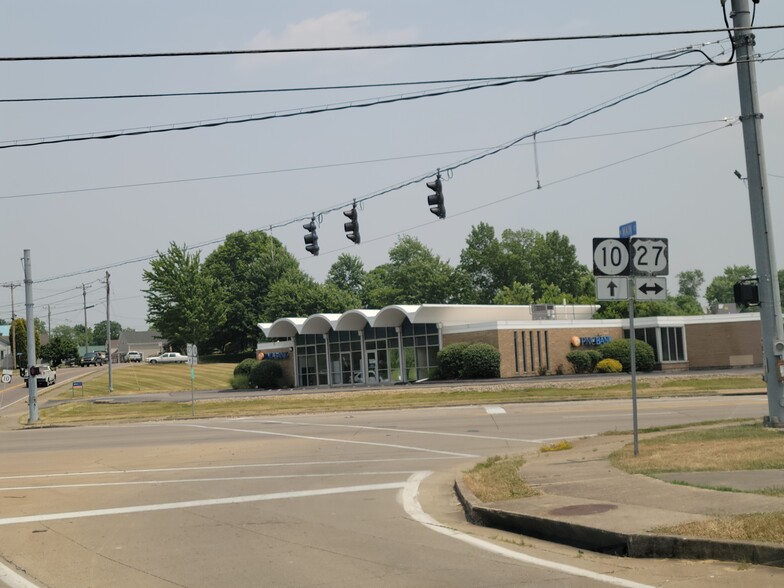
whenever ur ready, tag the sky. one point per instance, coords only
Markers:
(664, 159)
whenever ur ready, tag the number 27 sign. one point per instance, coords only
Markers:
(634, 256)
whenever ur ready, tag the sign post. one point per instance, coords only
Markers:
(193, 358)
(628, 268)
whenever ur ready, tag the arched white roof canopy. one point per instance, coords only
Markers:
(317, 324)
(355, 320)
(282, 328)
(393, 316)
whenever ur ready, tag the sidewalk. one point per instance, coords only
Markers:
(587, 503)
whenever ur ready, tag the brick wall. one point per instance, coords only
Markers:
(724, 345)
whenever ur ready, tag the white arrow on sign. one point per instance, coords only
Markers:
(652, 288)
(612, 288)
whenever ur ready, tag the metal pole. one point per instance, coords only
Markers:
(84, 297)
(32, 387)
(13, 330)
(761, 220)
(108, 335)
(633, 361)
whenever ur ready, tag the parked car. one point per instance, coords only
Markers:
(170, 357)
(44, 376)
(91, 359)
(133, 356)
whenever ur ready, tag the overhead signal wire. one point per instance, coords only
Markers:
(387, 46)
(335, 164)
(365, 103)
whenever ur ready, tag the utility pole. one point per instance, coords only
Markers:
(108, 334)
(49, 321)
(13, 318)
(761, 220)
(84, 298)
(32, 384)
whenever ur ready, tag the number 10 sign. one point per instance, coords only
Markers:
(635, 256)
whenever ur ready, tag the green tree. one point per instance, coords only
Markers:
(347, 273)
(690, 282)
(517, 294)
(720, 288)
(184, 303)
(296, 294)
(246, 266)
(481, 261)
(58, 350)
(553, 262)
(99, 332)
(415, 275)
(19, 327)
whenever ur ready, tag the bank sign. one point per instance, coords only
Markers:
(274, 355)
(590, 341)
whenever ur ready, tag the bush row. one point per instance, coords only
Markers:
(252, 373)
(612, 357)
(463, 361)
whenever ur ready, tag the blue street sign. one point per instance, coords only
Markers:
(628, 230)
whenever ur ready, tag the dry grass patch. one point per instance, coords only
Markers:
(766, 527)
(745, 447)
(498, 478)
(562, 445)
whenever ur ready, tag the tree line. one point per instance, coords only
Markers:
(251, 277)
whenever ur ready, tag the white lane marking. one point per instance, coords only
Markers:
(350, 441)
(198, 480)
(396, 430)
(221, 467)
(494, 410)
(409, 497)
(10, 578)
(59, 516)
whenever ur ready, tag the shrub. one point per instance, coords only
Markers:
(620, 349)
(450, 361)
(609, 366)
(265, 375)
(240, 382)
(595, 356)
(481, 360)
(245, 366)
(581, 361)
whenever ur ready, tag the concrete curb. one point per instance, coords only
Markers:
(613, 542)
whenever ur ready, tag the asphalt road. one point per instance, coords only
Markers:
(332, 500)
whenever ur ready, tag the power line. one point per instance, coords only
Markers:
(432, 44)
(334, 164)
(366, 103)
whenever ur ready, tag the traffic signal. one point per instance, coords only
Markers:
(352, 227)
(311, 239)
(34, 370)
(436, 200)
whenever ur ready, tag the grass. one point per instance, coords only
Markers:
(734, 447)
(141, 379)
(739, 447)
(562, 445)
(498, 478)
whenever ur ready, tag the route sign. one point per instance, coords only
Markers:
(650, 288)
(650, 257)
(612, 288)
(628, 230)
(610, 257)
(6, 378)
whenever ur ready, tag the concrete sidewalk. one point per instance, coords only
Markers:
(589, 504)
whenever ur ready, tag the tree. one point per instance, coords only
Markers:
(246, 266)
(690, 282)
(19, 327)
(720, 288)
(347, 273)
(553, 262)
(58, 350)
(99, 332)
(517, 294)
(415, 275)
(481, 261)
(296, 294)
(184, 303)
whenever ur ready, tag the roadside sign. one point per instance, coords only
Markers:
(610, 257)
(650, 257)
(612, 288)
(650, 288)
(6, 378)
(628, 230)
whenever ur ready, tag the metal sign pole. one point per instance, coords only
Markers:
(633, 358)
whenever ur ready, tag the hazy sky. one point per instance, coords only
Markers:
(72, 205)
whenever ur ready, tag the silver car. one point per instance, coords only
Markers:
(170, 357)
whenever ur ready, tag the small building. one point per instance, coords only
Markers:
(148, 343)
(6, 355)
(400, 343)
